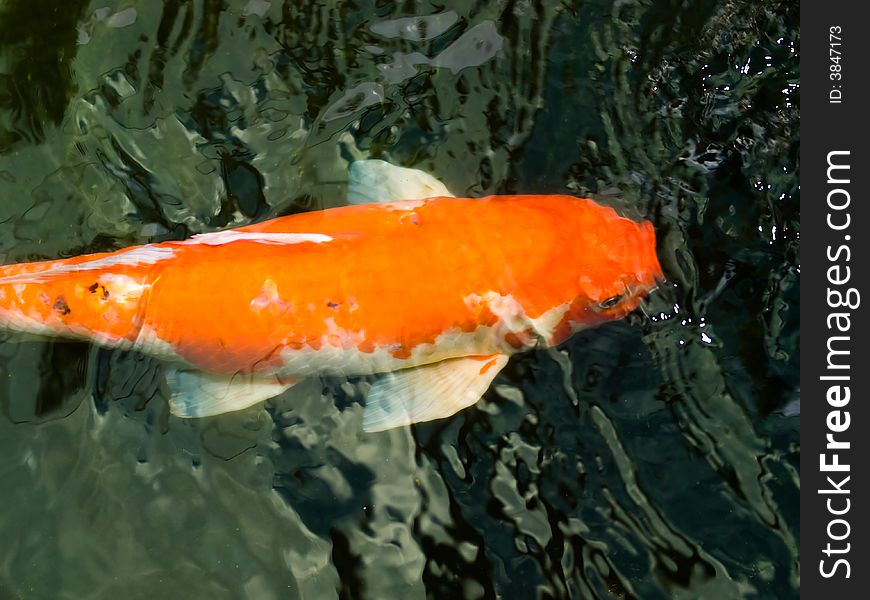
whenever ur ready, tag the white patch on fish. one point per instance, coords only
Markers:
(269, 299)
(513, 318)
(141, 255)
(510, 312)
(19, 289)
(123, 288)
(350, 360)
(148, 342)
(21, 322)
(218, 238)
(340, 337)
(545, 325)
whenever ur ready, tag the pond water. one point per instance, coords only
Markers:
(655, 457)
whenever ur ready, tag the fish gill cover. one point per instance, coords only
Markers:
(654, 458)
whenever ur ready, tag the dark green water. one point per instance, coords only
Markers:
(651, 458)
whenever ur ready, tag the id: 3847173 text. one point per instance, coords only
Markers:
(835, 55)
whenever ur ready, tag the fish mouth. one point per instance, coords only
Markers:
(664, 298)
(655, 277)
(658, 278)
(658, 282)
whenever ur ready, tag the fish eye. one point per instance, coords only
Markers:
(610, 302)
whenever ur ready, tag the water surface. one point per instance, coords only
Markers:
(652, 458)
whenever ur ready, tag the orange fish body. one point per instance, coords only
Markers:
(449, 286)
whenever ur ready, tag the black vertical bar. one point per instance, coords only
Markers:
(835, 347)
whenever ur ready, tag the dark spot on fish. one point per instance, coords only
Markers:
(103, 291)
(60, 306)
(410, 217)
(332, 305)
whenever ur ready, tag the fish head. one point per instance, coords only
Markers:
(618, 268)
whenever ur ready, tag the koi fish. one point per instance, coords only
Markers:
(428, 292)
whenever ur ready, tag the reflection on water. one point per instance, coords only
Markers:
(653, 458)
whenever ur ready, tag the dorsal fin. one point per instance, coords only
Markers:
(370, 181)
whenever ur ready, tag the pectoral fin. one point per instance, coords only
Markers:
(370, 181)
(430, 391)
(198, 394)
